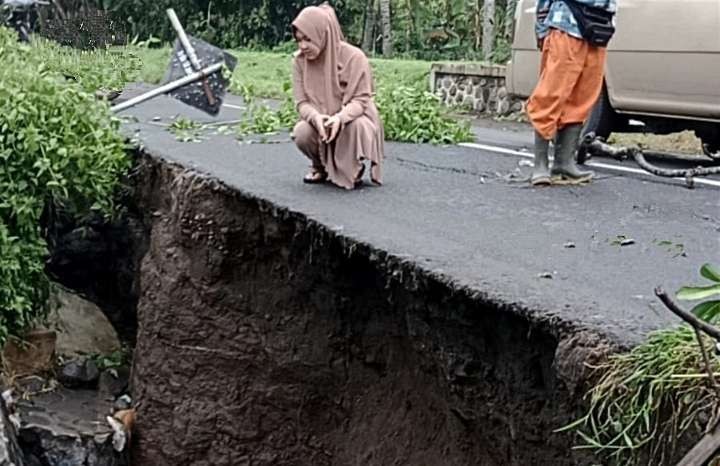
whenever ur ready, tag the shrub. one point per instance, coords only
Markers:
(59, 147)
(414, 115)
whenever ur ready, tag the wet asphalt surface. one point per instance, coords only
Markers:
(468, 214)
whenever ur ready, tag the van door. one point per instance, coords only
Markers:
(524, 68)
(665, 58)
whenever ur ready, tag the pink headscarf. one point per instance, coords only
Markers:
(321, 76)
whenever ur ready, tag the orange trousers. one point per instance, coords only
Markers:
(571, 77)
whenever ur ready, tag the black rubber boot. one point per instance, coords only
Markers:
(540, 174)
(564, 169)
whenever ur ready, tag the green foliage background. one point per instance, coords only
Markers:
(429, 30)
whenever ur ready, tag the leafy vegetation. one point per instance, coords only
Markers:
(646, 400)
(59, 147)
(431, 30)
(114, 360)
(413, 115)
(707, 310)
(186, 130)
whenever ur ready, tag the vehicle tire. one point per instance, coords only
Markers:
(711, 144)
(601, 121)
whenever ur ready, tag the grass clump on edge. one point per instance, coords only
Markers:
(60, 149)
(646, 400)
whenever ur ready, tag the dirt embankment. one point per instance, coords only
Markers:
(267, 339)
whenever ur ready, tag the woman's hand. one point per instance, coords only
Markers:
(333, 124)
(318, 122)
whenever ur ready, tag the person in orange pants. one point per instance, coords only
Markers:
(571, 79)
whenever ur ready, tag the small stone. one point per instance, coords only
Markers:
(79, 372)
(627, 242)
(569, 245)
(503, 107)
(114, 382)
(545, 275)
(156, 118)
(122, 403)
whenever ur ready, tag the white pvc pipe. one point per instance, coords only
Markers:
(189, 50)
(171, 86)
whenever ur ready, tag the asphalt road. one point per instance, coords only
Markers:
(466, 213)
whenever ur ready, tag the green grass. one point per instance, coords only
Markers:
(266, 72)
(154, 63)
(409, 112)
(648, 401)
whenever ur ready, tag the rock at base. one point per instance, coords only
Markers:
(81, 372)
(69, 427)
(82, 328)
(10, 452)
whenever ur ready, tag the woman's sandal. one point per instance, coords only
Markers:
(315, 177)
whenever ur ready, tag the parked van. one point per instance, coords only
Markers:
(663, 69)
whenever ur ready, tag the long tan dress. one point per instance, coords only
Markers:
(338, 82)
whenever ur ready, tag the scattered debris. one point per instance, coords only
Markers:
(187, 130)
(676, 249)
(34, 355)
(592, 145)
(33, 385)
(622, 240)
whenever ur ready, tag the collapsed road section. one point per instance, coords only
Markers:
(445, 318)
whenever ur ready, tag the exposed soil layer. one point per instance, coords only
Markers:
(267, 339)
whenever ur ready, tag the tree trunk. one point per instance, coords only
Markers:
(369, 29)
(510, 19)
(410, 31)
(386, 28)
(477, 20)
(488, 28)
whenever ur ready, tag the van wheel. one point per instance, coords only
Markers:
(711, 145)
(601, 121)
